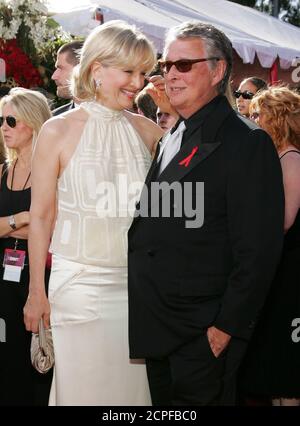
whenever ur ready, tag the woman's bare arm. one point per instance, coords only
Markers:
(291, 179)
(21, 221)
(45, 171)
(149, 131)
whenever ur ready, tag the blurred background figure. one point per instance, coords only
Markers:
(146, 106)
(2, 150)
(3, 91)
(150, 105)
(246, 90)
(99, 15)
(67, 59)
(22, 114)
(272, 365)
(166, 116)
(165, 120)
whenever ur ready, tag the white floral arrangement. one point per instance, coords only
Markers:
(34, 15)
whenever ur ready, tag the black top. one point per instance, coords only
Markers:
(292, 237)
(12, 202)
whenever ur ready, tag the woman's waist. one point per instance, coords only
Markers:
(105, 246)
(64, 263)
(100, 262)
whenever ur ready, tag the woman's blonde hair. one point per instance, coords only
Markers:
(280, 107)
(31, 107)
(115, 44)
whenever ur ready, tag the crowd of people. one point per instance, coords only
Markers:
(181, 295)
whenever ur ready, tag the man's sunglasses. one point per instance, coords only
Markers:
(244, 95)
(10, 120)
(182, 65)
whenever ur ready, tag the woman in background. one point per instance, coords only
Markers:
(272, 364)
(247, 89)
(22, 114)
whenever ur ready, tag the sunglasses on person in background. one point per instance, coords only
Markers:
(244, 95)
(10, 120)
(182, 65)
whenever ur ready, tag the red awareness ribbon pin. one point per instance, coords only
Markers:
(186, 161)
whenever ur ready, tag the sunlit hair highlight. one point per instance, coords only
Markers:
(280, 107)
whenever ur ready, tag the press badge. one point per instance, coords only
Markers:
(13, 264)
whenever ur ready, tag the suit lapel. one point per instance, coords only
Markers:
(174, 171)
(204, 138)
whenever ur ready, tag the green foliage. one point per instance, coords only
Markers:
(289, 9)
(37, 35)
(250, 3)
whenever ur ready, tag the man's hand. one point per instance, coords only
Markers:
(218, 340)
(156, 89)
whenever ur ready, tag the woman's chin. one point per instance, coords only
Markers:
(242, 111)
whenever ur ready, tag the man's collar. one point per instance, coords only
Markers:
(193, 121)
(199, 116)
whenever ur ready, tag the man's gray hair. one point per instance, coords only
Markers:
(216, 44)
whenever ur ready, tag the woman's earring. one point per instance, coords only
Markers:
(97, 83)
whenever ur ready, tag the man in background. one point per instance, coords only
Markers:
(165, 120)
(67, 59)
(146, 105)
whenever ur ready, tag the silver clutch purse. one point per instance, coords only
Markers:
(41, 351)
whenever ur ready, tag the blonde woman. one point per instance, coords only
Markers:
(22, 114)
(95, 158)
(272, 366)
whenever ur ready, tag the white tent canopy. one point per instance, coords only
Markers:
(251, 32)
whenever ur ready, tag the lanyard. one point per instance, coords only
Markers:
(13, 175)
(12, 183)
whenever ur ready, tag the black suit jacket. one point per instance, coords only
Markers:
(63, 108)
(182, 279)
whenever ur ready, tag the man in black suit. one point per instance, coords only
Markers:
(208, 231)
(67, 59)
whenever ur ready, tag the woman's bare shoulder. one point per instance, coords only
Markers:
(140, 120)
(60, 125)
(149, 131)
(291, 159)
(290, 164)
